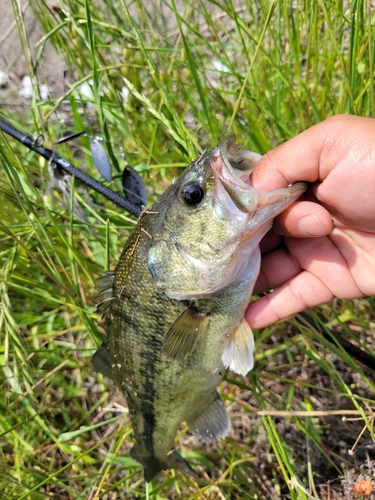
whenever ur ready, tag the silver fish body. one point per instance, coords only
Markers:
(179, 293)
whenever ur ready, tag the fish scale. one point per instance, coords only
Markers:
(179, 293)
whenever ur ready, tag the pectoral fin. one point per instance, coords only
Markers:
(184, 334)
(238, 356)
(213, 424)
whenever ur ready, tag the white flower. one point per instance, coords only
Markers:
(27, 89)
(3, 78)
(44, 91)
(85, 89)
(125, 94)
(219, 66)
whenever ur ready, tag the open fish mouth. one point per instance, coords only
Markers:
(232, 166)
(238, 162)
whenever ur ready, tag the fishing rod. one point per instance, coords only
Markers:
(35, 145)
(55, 160)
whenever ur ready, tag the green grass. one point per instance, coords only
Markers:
(195, 71)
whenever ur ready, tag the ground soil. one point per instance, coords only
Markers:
(13, 63)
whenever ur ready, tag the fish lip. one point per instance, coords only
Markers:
(223, 146)
(231, 180)
(249, 159)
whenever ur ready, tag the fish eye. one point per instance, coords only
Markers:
(192, 193)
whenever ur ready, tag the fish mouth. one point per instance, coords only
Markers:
(232, 167)
(239, 162)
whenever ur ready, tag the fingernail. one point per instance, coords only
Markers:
(311, 225)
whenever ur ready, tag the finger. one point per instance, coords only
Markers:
(277, 267)
(323, 258)
(270, 242)
(295, 160)
(300, 293)
(326, 274)
(303, 219)
(311, 155)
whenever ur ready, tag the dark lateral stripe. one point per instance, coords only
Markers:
(149, 375)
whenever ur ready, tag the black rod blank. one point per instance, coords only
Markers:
(49, 155)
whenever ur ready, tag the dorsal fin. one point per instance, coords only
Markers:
(105, 279)
(104, 287)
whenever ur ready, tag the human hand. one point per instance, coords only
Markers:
(323, 247)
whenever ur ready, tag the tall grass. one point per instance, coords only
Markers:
(166, 80)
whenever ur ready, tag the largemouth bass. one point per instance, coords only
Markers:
(175, 320)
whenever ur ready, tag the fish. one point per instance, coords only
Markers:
(175, 303)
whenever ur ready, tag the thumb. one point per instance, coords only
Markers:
(309, 156)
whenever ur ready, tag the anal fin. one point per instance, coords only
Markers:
(213, 424)
(238, 356)
(184, 334)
